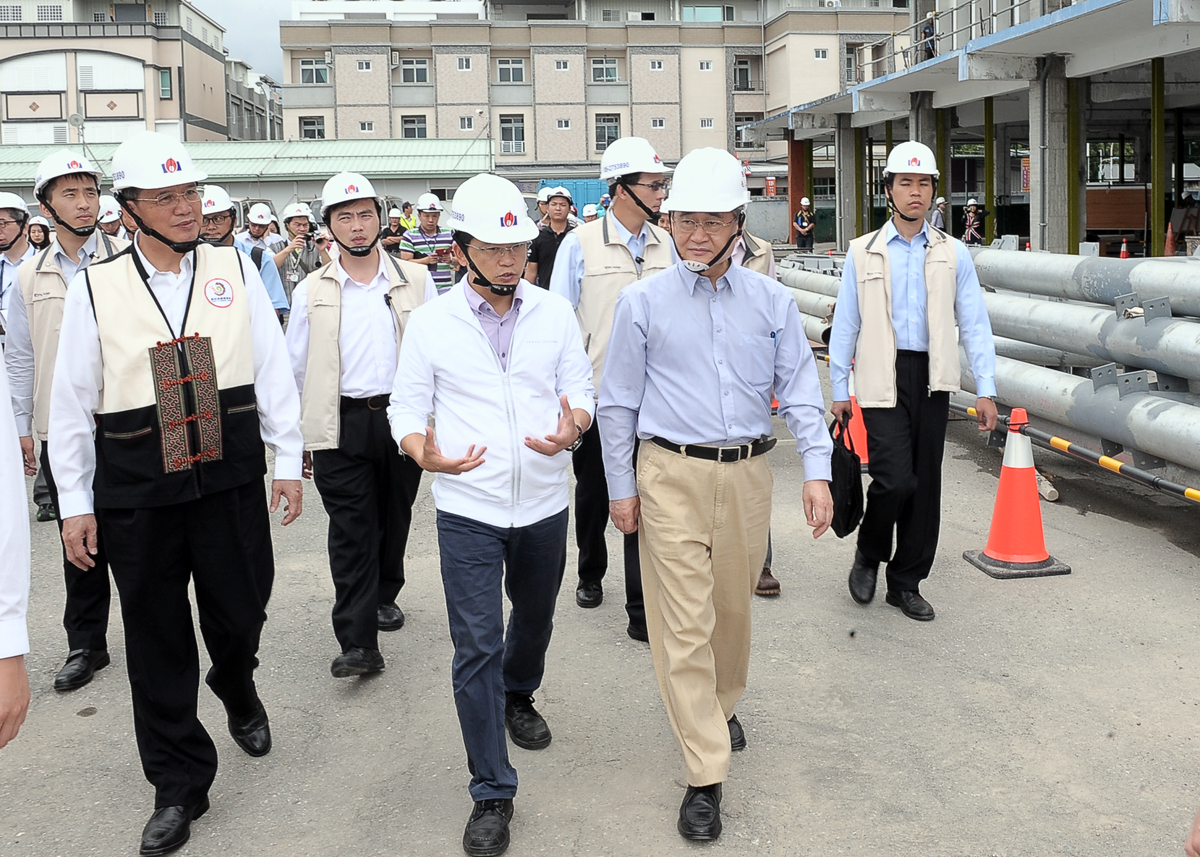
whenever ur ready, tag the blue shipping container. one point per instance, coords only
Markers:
(583, 191)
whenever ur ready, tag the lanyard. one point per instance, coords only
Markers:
(137, 263)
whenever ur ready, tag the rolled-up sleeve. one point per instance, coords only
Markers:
(621, 390)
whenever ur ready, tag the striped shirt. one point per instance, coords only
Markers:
(422, 245)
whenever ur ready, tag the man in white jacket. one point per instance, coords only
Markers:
(500, 365)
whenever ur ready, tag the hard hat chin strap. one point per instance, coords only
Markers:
(700, 267)
(651, 214)
(216, 242)
(23, 219)
(355, 251)
(494, 288)
(85, 232)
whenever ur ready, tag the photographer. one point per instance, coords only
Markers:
(304, 252)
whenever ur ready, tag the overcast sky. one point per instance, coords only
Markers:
(251, 30)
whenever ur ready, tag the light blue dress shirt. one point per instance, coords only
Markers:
(271, 279)
(909, 318)
(568, 263)
(696, 366)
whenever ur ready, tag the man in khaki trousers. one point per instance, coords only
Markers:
(694, 354)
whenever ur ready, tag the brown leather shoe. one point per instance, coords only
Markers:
(768, 586)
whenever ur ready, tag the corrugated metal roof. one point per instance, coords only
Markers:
(230, 161)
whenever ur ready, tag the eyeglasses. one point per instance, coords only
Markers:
(213, 219)
(686, 225)
(516, 251)
(654, 186)
(4, 224)
(170, 200)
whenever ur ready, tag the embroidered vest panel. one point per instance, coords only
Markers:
(178, 417)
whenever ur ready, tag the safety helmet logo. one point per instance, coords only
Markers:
(509, 219)
(170, 166)
(657, 159)
(914, 162)
(351, 188)
(74, 165)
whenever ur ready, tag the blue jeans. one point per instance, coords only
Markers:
(488, 660)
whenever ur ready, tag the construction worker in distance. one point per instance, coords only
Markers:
(393, 233)
(408, 220)
(220, 216)
(500, 366)
(938, 218)
(594, 262)
(543, 205)
(39, 239)
(589, 212)
(544, 249)
(694, 354)
(110, 216)
(429, 244)
(806, 225)
(67, 187)
(973, 219)
(903, 289)
(172, 379)
(304, 252)
(258, 230)
(343, 340)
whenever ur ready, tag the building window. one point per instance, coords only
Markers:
(364, 65)
(610, 15)
(656, 65)
(314, 71)
(648, 16)
(658, 123)
(204, 35)
(705, 65)
(852, 62)
(466, 123)
(464, 63)
(743, 138)
(510, 71)
(97, 17)
(564, 124)
(12, 13)
(821, 53)
(562, 65)
(709, 14)
(49, 13)
(414, 71)
(608, 128)
(161, 19)
(366, 127)
(824, 187)
(312, 127)
(705, 124)
(512, 135)
(164, 84)
(412, 127)
(742, 81)
(604, 70)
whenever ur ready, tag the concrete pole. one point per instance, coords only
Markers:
(797, 180)
(941, 151)
(859, 182)
(1075, 200)
(1048, 156)
(809, 184)
(845, 159)
(921, 119)
(1158, 157)
(989, 168)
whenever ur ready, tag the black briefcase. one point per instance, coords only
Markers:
(846, 482)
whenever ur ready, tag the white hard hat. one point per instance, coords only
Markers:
(428, 202)
(911, 157)
(110, 209)
(395, 212)
(38, 220)
(260, 214)
(708, 179)
(939, 200)
(589, 210)
(972, 201)
(216, 200)
(11, 200)
(492, 209)
(804, 201)
(297, 209)
(61, 163)
(629, 155)
(151, 161)
(559, 191)
(544, 194)
(345, 187)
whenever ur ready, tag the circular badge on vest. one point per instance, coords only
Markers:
(219, 293)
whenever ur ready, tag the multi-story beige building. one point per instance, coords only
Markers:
(551, 85)
(118, 66)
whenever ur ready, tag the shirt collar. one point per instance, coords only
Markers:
(477, 302)
(185, 266)
(695, 281)
(380, 278)
(890, 233)
(624, 233)
(87, 250)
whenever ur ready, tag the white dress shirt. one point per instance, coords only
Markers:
(367, 336)
(79, 378)
(14, 534)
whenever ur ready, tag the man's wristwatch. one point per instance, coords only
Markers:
(578, 441)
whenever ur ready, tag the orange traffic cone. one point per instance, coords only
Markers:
(1026, 246)
(1016, 546)
(1124, 249)
(831, 252)
(1169, 243)
(858, 428)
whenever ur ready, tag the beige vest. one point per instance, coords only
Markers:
(875, 352)
(44, 291)
(320, 412)
(608, 267)
(758, 255)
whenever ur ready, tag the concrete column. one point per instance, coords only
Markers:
(847, 191)
(1048, 156)
(989, 168)
(797, 178)
(922, 119)
(1158, 158)
(1076, 168)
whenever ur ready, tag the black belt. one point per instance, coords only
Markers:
(723, 454)
(375, 403)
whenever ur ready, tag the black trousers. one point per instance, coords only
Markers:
(906, 475)
(85, 615)
(222, 543)
(368, 489)
(591, 520)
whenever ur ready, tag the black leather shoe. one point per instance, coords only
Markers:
(912, 605)
(638, 632)
(390, 617)
(737, 735)
(356, 661)
(862, 578)
(170, 827)
(46, 512)
(487, 828)
(81, 665)
(700, 813)
(589, 595)
(526, 727)
(252, 733)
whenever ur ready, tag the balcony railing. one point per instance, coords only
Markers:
(747, 85)
(512, 147)
(83, 31)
